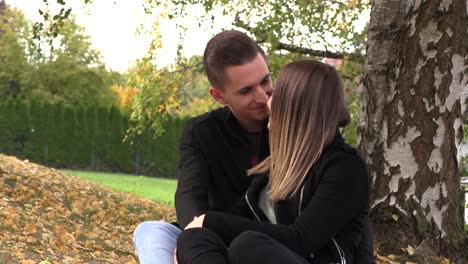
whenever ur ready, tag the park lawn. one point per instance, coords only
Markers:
(159, 190)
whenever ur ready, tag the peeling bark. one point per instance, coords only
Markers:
(415, 95)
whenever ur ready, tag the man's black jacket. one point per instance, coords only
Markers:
(215, 153)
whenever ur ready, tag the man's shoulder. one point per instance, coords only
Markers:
(214, 117)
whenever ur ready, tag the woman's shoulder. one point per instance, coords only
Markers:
(341, 162)
(340, 153)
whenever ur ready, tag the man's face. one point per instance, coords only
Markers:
(247, 90)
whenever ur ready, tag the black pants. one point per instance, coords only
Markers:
(201, 245)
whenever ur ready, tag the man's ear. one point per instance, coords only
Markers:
(217, 95)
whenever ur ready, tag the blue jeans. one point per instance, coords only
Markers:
(155, 242)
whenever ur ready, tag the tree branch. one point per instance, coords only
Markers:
(318, 53)
(260, 35)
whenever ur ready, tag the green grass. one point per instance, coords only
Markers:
(156, 189)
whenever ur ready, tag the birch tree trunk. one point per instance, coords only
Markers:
(415, 95)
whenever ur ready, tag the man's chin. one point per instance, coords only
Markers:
(260, 116)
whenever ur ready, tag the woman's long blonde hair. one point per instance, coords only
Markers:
(306, 110)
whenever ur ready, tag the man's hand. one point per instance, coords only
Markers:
(197, 222)
(175, 256)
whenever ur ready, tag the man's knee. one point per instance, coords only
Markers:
(154, 230)
(155, 241)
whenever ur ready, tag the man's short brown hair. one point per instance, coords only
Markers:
(228, 48)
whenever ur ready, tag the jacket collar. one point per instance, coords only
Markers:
(230, 119)
(226, 115)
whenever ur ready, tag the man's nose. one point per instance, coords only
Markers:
(260, 95)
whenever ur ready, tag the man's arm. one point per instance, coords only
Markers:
(191, 197)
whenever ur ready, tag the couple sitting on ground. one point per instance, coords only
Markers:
(268, 178)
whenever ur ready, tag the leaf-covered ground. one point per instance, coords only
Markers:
(49, 217)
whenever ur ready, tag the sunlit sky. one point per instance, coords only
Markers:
(112, 26)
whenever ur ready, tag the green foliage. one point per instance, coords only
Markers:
(277, 59)
(13, 58)
(160, 93)
(351, 73)
(289, 32)
(38, 132)
(75, 137)
(197, 106)
(299, 26)
(71, 73)
(84, 149)
(465, 133)
(301, 29)
(463, 166)
(14, 126)
(121, 152)
(196, 98)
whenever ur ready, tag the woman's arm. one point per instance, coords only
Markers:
(342, 193)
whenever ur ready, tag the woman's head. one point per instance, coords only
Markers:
(307, 107)
(308, 98)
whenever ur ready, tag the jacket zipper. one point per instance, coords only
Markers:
(251, 208)
(340, 252)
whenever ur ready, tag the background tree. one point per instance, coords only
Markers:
(13, 57)
(414, 99)
(126, 96)
(315, 28)
(71, 71)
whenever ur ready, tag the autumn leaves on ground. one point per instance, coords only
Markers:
(49, 217)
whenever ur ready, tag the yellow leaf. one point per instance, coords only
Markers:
(51, 215)
(30, 229)
(382, 258)
(410, 250)
(395, 217)
(19, 254)
(109, 243)
(27, 261)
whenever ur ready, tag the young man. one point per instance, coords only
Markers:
(217, 148)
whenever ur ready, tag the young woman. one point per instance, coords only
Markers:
(308, 202)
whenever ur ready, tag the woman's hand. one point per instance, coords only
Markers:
(197, 222)
(175, 256)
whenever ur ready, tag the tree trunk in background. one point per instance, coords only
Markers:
(413, 103)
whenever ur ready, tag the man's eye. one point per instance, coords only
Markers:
(244, 91)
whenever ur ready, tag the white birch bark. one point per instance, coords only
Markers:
(415, 95)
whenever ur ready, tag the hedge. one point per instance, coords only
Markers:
(85, 138)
